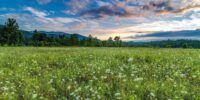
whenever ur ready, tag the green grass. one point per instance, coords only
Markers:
(99, 73)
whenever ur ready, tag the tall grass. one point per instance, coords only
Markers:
(99, 73)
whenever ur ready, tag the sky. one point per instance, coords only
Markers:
(129, 19)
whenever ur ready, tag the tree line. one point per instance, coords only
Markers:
(11, 35)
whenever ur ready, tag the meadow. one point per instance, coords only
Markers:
(30, 73)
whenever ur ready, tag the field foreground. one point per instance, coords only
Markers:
(99, 73)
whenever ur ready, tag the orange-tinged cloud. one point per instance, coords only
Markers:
(185, 10)
(179, 11)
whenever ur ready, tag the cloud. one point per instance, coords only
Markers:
(169, 29)
(105, 18)
(41, 21)
(35, 12)
(159, 6)
(65, 20)
(30, 22)
(110, 9)
(184, 10)
(173, 23)
(105, 11)
(7, 9)
(141, 30)
(44, 1)
(44, 16)
(130, 8)
(171, 34)
(81, 25)
(76, 6)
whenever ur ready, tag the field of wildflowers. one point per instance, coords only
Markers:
(99, 73)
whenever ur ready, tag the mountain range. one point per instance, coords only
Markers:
(171, 34)
(53, 34)
(29, 34)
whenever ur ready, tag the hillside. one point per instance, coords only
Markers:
(29, 34)
(1, 26)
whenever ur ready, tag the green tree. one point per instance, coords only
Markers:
(118, 42)
(62, 40)
(185, 45)
(83, 42)
(117, 38)
(11, 33)
(39, 37)
(73, 40)
(110, 39)
(91, 41)
(1, 32)
(109, 42)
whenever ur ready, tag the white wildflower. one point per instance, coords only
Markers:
(72, 94)
(108, 70)
(103, 77)
(77, 98)
(162, 84)
(182, 75)
(51, 81)
(117, 94)
(184, 92)
(132, 74)
(86, 87)
(130, 60)
(69, 87)
(194, 76)
(34, 95)
(124, 80)
(95, 78)
(1, 71)
(98, 96)
(138, 79)
(152, 94)
(121, 68)
(5, 88)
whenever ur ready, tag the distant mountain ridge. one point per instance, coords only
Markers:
(53, 34)
(1, 26)
(168, 35)
(29, 34)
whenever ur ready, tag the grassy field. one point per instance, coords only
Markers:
(99, 73)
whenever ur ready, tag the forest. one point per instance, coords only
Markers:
(11, 35)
